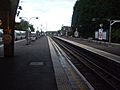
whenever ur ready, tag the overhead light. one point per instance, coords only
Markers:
(20, 7)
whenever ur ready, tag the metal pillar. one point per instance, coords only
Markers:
(8, 10)
(111, 23)
(8, 33)
(110, 33)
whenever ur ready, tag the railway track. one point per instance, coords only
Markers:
(102, 73)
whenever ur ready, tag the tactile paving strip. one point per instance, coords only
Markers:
(61, 78)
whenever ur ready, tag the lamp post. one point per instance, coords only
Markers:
(28, 19)
(111, 23)
(28, 37)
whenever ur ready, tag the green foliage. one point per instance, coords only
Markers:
(32, 28)
(24, 25)
(116, 35)
(85, 10)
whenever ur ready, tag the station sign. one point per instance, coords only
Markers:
(100, 31)
(101, 35)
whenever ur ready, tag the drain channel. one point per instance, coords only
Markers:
(36, 63)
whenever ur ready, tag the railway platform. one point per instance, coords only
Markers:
(114, 48)
(103, 56)
(105, 50)
(38, 67)
(30, 69)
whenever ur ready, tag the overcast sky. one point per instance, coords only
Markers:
(52, 13)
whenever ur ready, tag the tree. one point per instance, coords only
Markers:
(24, 25)
(32, 28)
(85, 10)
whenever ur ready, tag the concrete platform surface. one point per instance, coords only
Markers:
(30, 69)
